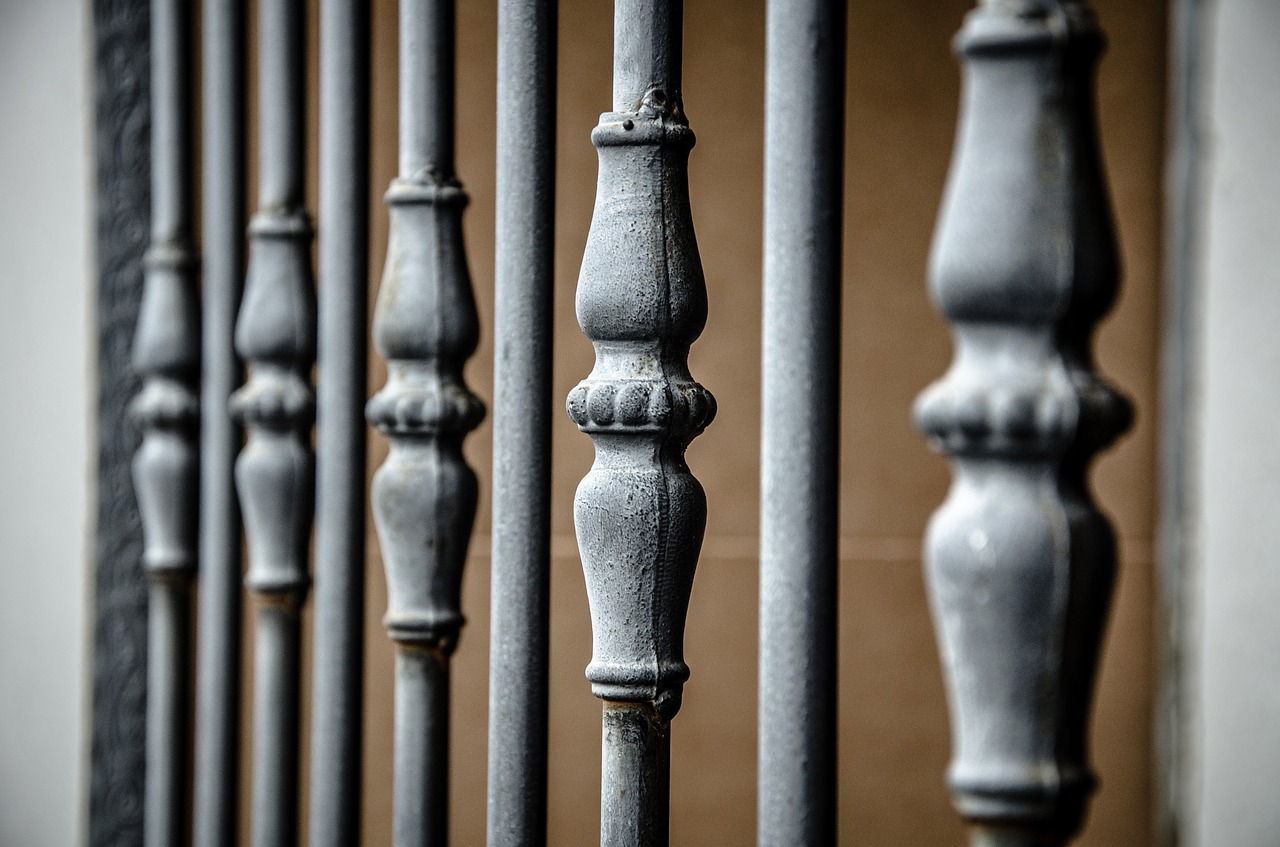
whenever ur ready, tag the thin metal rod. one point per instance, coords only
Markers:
(421, 801)
(426, 85)
(800, 444)
(647, 50)
(523, 285)
(218, 657)
(338, 631)
(168, 666)
(171, 143)
(635, 791)
(281, 94)
(277, 663)
(166, 353)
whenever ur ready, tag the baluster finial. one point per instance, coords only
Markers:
(425, 495)
(275, 472)
(426, 327)
(166, 468)
(1020, 560)
(640, 514)
(642, 301)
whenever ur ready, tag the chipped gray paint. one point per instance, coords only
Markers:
(639, 513)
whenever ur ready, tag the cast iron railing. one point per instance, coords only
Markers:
(1020, 561)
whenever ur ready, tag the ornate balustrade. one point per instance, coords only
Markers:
(1020, 561)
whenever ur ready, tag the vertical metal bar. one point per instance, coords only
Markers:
(640, 514)
(218, 664)
(1020, 561)
(422, 747)
(424, 495)
(277, 661)
(800, 443)
(340, 431)
(427, 112)
(168, 658)
(523, 283)
(275, 334)
(635, 776)
(166, 467)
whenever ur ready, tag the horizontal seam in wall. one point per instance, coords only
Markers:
(853, 548)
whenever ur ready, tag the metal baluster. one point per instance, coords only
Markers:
(218, 652)
(800, 442)
(338, 631)
(639, 512)
(424, 495)
(1020, 561)
(166, 467)
(521, 573)
(274, 474)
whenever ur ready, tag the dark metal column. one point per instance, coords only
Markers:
(1020, 561)
(525, 238)
(218, 666)
(639, 512)
(275, 334)
(800, 441)
(166, 467)
(338, 631)
(424, 495)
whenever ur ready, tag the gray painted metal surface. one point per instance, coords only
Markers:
(218, 658)
(424, 495)
(420, 812)
(1020, 562)
(800, 440)
(275, 334)
(521, 574)
(640, 514)
(168, 704)
(635, 776)
(338, 631)
(166, 353)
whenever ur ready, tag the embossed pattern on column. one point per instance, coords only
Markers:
(166, 468)
(275, 334)
(640, 514)
(425, 495)
(122, 101)
(1020, 561)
